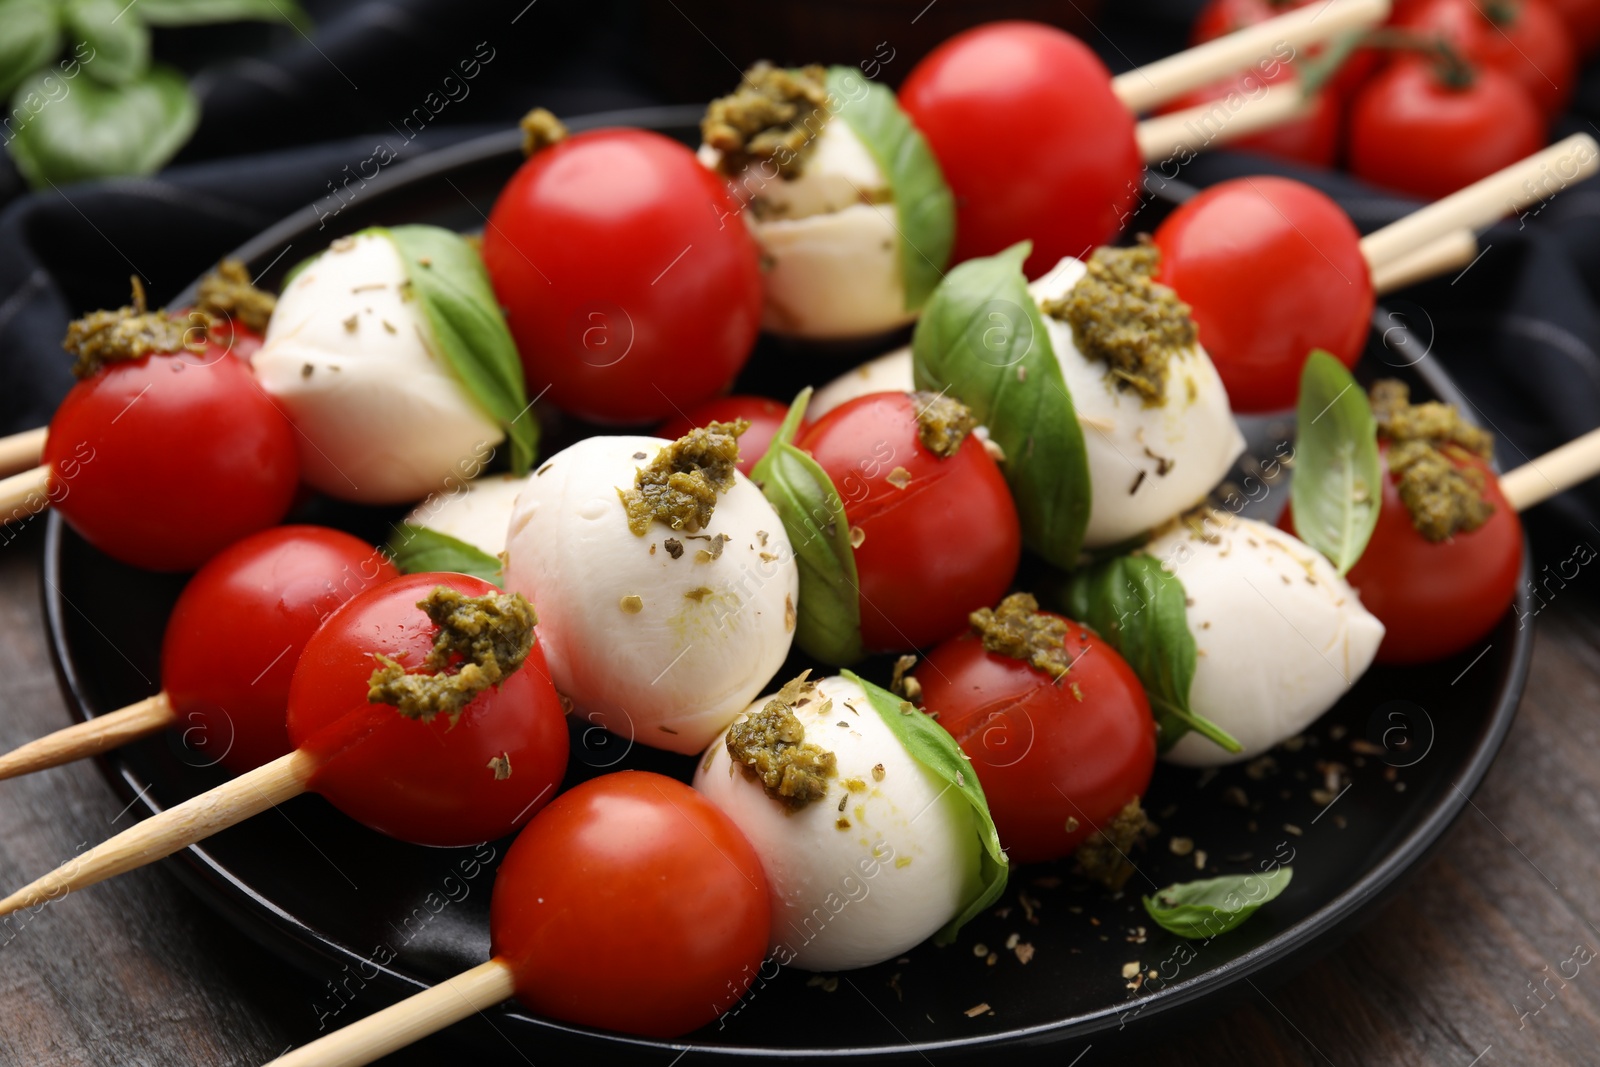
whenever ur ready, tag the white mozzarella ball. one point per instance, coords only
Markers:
(382, 418)
(1280, 636)
(477, 511)
(1146, 464)
(856, 886)
(889, 373)
(662, 650)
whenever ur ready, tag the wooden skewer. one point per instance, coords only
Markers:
(25, 494)
(1155, 83)
(22, 450)
(1194, 129)
(1505, 192)
(1554, 472)
(90, 738)
(409, 1021)
(1450, 252)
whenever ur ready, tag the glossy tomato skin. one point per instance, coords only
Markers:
(161, 462)
(631, 903)
(764, 416)
(1272, 268)
(1532, 44)
(1031, 140)
(1411, 132)
(1582, 19)
(629, 279)
(1313, 139)
(427, 783)
(934, 551)
(237, 631)
(1049, 755)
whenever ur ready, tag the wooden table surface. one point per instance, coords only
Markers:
(1465, 967)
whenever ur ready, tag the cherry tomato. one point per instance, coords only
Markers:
(1313, 139)
(631, 903)
(237, 631)
(1523, 38)
(1436, 598)
(1057, 760)
(1412, 131)
(1272, 269)
(938, 537)
(764, 416)
(1582, 18)
(1221, 17)
(163, 461)
(430, 783)
(631, 284)
(1032, 141)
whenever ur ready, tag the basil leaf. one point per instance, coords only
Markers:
(31, 39)
(452, 288)
(416, 549)
(1204, 909)
(1138, 608)
(1337, 489)
(923, 202)
(932, 746)
(829, 624)
(197, 12)
(981, 337)
(120, 40)
(82, 130)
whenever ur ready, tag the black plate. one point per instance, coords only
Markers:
(380, 920)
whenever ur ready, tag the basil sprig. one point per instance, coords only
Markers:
(418, 549)
(800, 491)
(1337, 489)
(923, 202)
(981, 338)
(1204, 909)
(1139, 609)
(98, 130)
(932, 746)
(451, 286)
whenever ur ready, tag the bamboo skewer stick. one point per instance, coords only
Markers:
(22, 450)
(90, 738)
(25, 494)
(1451, 252)
(1554, 472)
(1194, 129)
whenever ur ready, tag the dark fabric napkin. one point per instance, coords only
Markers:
(280, 128)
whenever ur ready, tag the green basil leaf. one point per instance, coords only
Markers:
(981, 338)
(1138, 608)
(79, 130)
(1204, 909)
(828, 626)
(415, 549)
(119, 38)
(31, 39)
(197, 12)
(932, 746)
(923, 202)
(1337, 490)
(452, 288)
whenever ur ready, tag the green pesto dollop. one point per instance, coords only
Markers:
(489, 636)
(226, 293)
(1103, 858)
(1443, 496)
(942, 423)
(775, 114)
(127, 333)
(540, 130)
(1017, 628)
(770, 746)
(681, 484)
(1124, 318)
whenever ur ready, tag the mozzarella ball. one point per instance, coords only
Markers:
(382, 418)
(889, 373)
(660, 648)
(853, 886)
(1280, 636)
(477, 511)
(1146, 464)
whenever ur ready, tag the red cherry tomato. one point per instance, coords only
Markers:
(764, 416)
(631, 284)
(1582, 18)
(237, 631)
(1411, 131)
(430, 783)
(1436, 598)
(1523, 38)
(1272, 269)
(631, 903)
(1057, 760)
(1221, 17)
(162, 462)
(939, 545)
(1313, 139)
(1032, 141)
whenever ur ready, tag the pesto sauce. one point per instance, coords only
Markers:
(1103, 858)
(775, 114)
(1443, 497)
(540, 130)
(770, 747)
(680, 486)
(1017, 628)
(127, 333)
(942, 423)
(226, 293)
